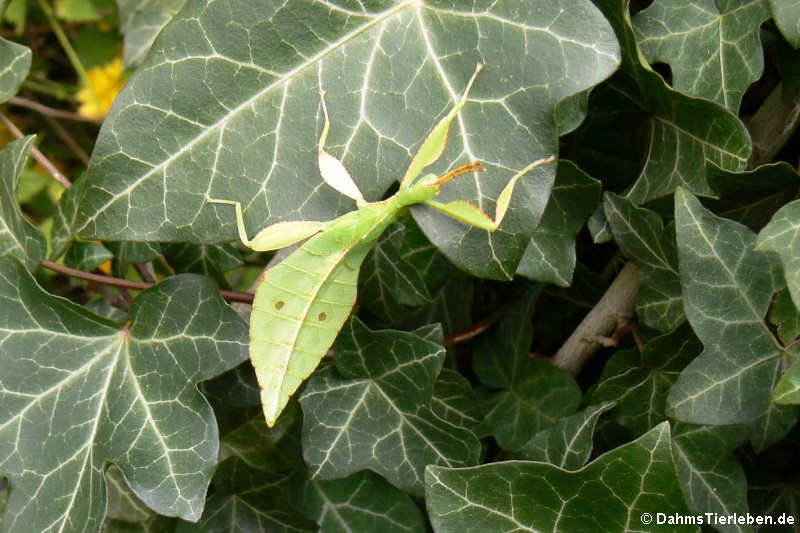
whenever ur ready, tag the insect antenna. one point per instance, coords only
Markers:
(475, 166)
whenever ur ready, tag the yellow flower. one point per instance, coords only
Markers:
(106, 81)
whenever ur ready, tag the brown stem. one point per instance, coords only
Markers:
(37, 155)
(773, 124)
(68, 140)
(52, 112)
(231, 296)
(617, 303)
(473, 330)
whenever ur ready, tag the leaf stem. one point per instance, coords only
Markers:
(37, 155)
(616, 304)
(231, 296)
(72, 55)
(49, 88)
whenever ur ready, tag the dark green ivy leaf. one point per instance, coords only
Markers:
(390, 70)
(727, 288)
(610, 494)
(87, 393)
(523, 395)
(713, 46)
(639, 381)
(250, 500)
(16, 61)
(361, 502)
(641, 236)
(373, 410)
(550, 254)
(568, 443)
(18, 237)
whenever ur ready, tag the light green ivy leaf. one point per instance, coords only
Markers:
(373, 410)
(390, 69)
(727, 289)
(612, 493)
(713, 46)
(88, 393)
(550, 254)
(18, 237)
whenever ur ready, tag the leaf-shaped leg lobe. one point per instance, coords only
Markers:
(298, 310)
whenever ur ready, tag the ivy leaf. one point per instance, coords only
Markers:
(518, 387)
(388, 283)
(87, 255)
(244, 435)
(713, 47)
(568, 443)
(66, 211)
(550, 254)
(140, 22)
(641, 236)
(772, 425)
(211, 260)
(752, 196)
(787, 391)
(246, 499)
(782, 235)
(16, 61)
(679, 132)
(208, 136)
(374, 409)
(128, 252)
(454, 400)
(712, 479)
(639, 381)
(18, 237)
(88, 393)
(127, 513)
(727, 288)
(787, 16)
(361, 502)
(615, 490)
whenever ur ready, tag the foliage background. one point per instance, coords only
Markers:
(624, 344)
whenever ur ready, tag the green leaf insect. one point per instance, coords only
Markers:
(301, 304)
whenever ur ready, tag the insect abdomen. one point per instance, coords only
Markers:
(298, 310)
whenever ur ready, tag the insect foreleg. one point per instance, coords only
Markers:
(473, 215)
(277, 235)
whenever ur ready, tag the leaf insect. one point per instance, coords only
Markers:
(301, 303)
